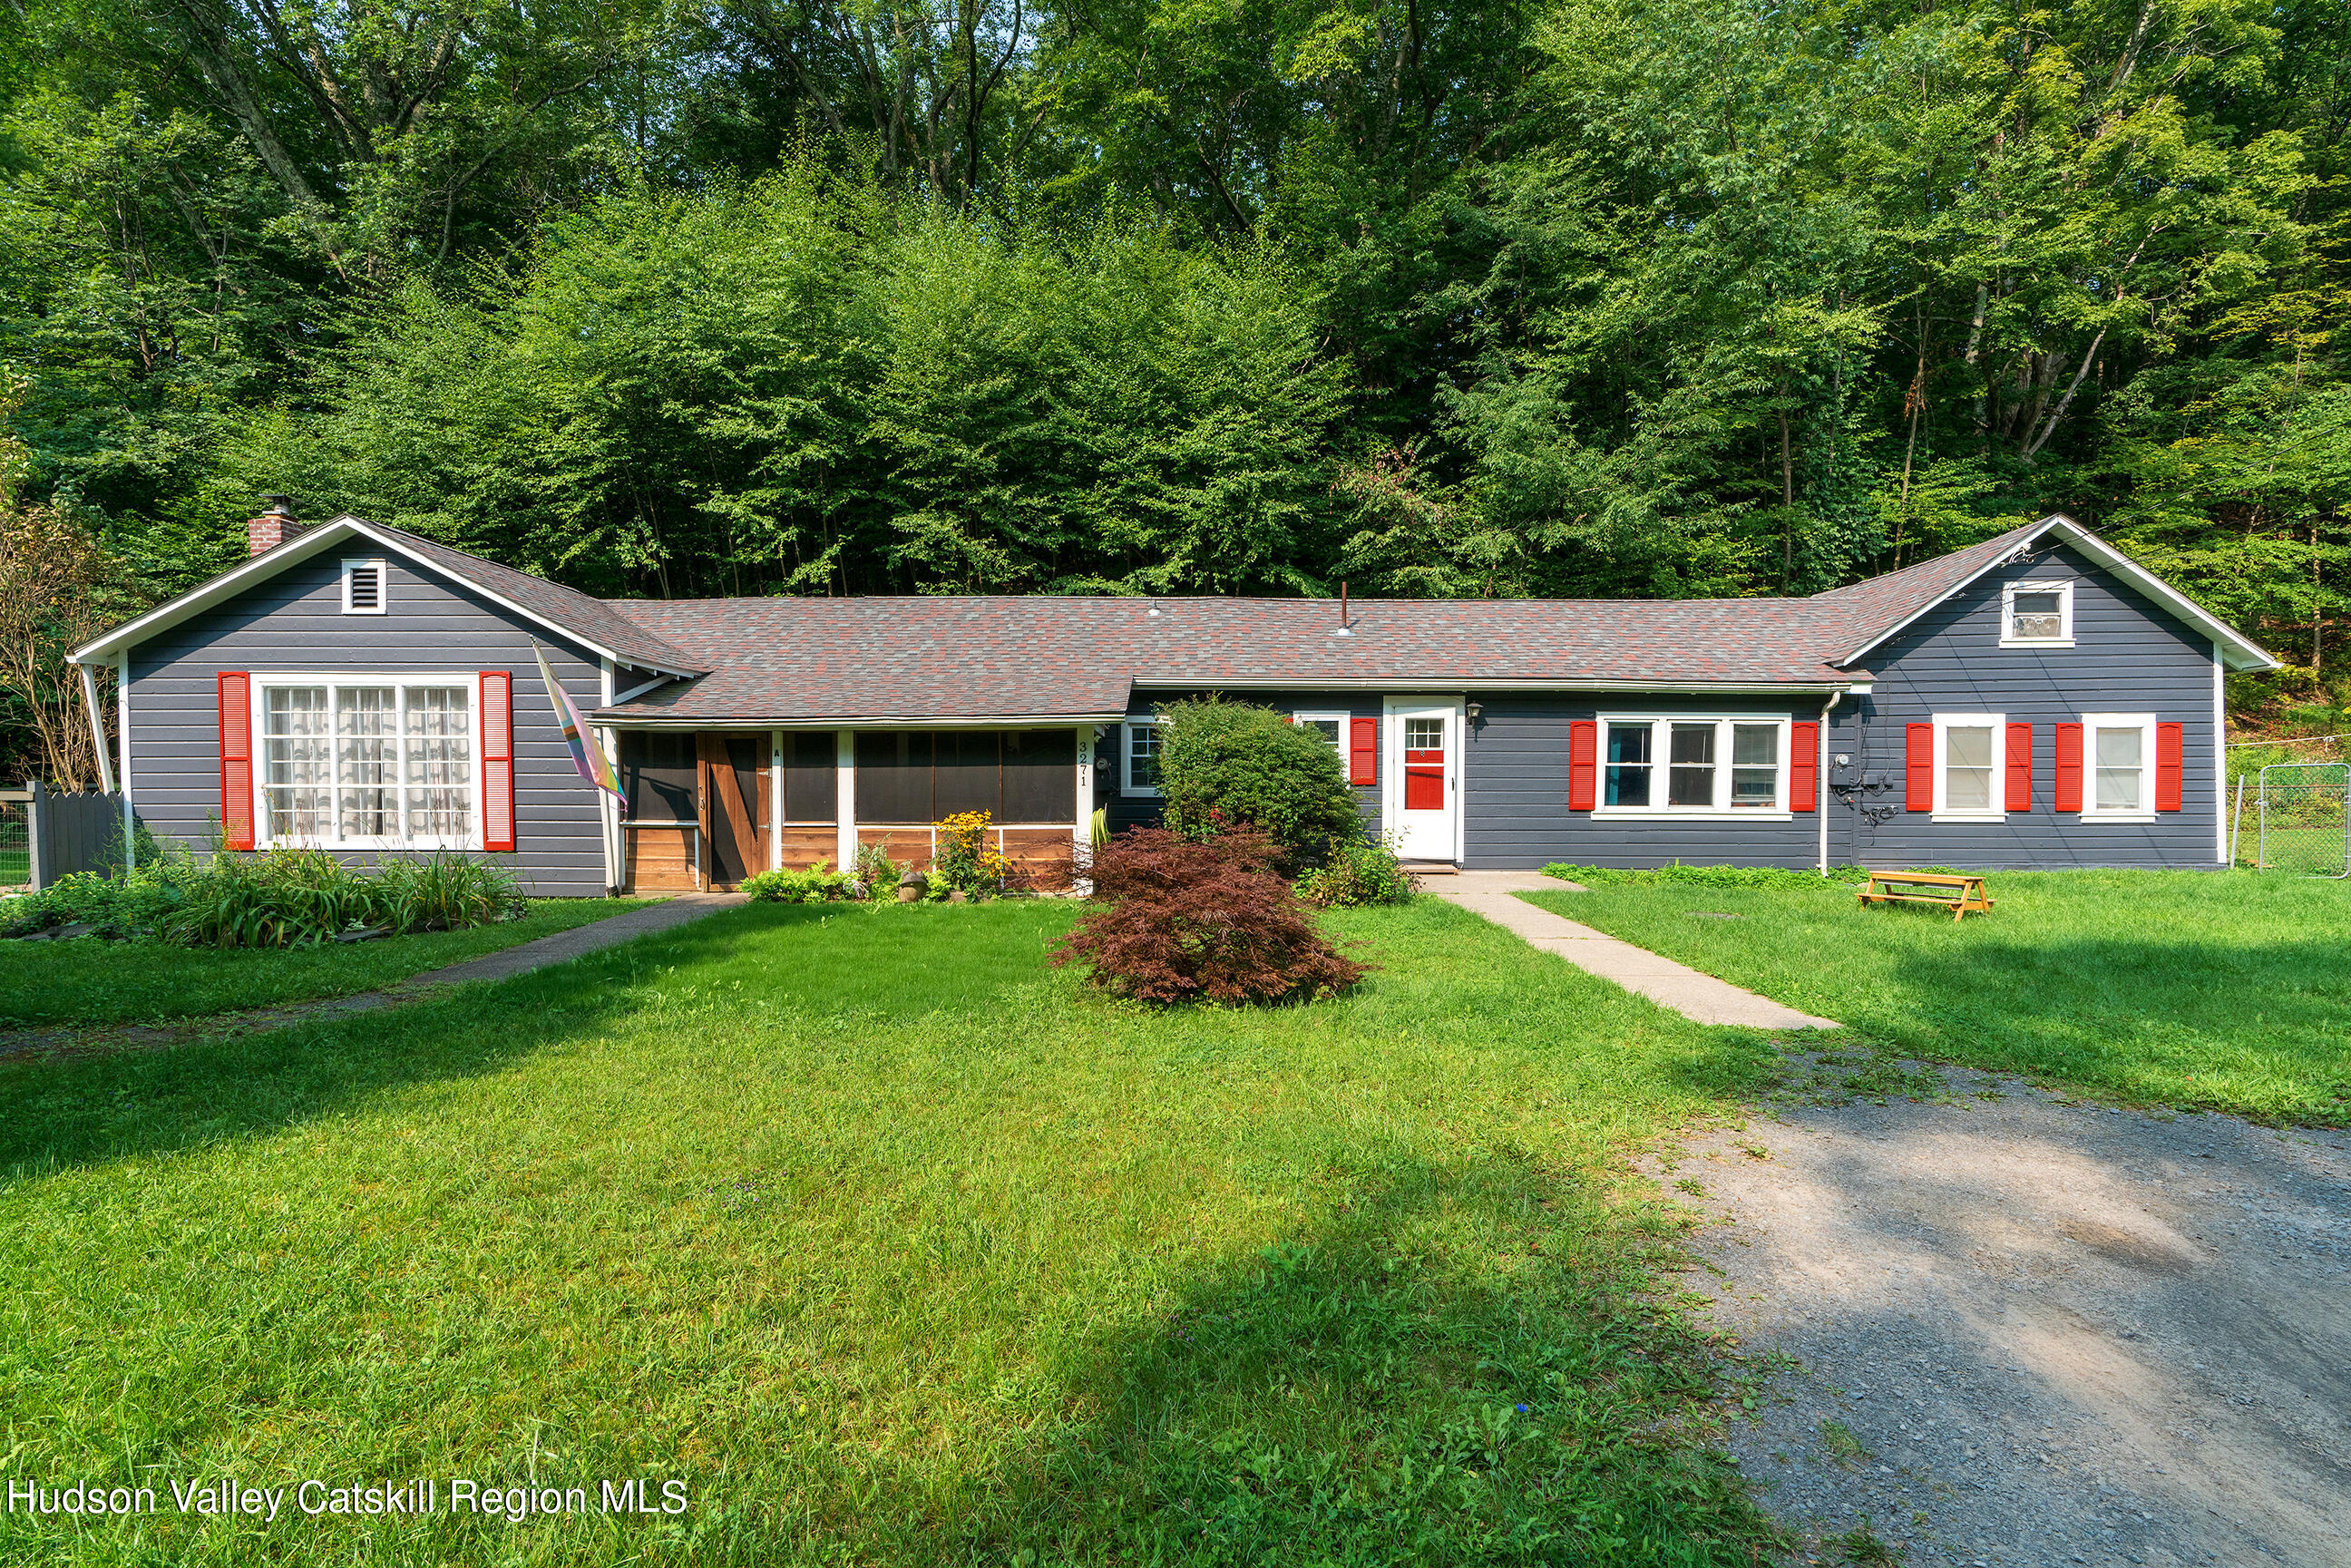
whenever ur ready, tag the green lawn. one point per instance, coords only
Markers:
(87, 981)
(2229, 991)
(892, 1245)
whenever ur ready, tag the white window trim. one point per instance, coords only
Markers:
(2064, 592)
(382, 585)
(1998, 811)
(2145, 723)
(1338, 745)
(263, 683)
(1660, 754)
(1126, 784)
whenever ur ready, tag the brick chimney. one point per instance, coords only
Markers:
(272, 528)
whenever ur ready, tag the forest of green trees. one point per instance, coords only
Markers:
(1566, 297)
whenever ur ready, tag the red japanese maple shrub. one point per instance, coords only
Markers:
(1201, 920)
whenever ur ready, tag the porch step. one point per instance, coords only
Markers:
(1432, 868)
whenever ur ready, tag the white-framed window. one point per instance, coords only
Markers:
(366, 586)
(1971, 766)
(1330, 726)
(1138, 753)
(1693, 765)
(2036, 615)
(368, 762)
(2119, 766)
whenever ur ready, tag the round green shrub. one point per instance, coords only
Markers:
(1225, 765)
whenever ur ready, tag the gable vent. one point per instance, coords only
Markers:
(362, 587)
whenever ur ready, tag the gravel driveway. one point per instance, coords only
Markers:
(2017, 1330)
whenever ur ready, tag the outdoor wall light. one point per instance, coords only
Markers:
(1474, 709)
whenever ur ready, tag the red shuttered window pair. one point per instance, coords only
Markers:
(240, 798)
(1583, 765)
(1918, 767)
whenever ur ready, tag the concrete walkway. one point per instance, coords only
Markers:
(1700, 998)
(562, 946)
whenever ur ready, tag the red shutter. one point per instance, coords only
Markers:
(2019, 768)
(1363, 751)
(1582, 764)
(1918, 767)
(236, 759)
(2068, 794)
(498, 761)
(2168, 743)
(1803, 764)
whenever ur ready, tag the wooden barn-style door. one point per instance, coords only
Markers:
(732, 770)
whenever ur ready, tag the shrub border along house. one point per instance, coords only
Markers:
(2035, 700)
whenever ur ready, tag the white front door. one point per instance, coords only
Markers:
(1423, 797)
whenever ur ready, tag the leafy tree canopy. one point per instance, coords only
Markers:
(1576, 296)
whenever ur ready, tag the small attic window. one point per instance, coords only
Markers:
(2037, 615)
(363, 588)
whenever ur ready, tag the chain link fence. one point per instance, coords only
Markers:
(15, 838)
(2304, 818)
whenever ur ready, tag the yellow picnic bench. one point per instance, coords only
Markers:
(1957, 894)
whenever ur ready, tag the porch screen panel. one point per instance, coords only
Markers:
(893, 776)
(812, 776)
(1040, 775)
(657, 776)
(964, 776)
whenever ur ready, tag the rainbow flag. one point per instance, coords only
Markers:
(586, 755)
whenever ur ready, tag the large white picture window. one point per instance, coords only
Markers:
(2118, 758)
(1693, 765)
(368, 763)
(1970, 763)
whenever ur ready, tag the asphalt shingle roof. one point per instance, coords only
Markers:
(942, 657)
(1877, 605)
(596, 620)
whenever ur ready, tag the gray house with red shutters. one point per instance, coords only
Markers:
(2037, 699)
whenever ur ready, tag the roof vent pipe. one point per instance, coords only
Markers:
(1344, 630)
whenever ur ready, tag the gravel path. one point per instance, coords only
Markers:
(2000, 1328)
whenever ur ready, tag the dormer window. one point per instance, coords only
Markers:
(2037, 615)
(363, 586)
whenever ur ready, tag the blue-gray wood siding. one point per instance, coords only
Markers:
(1514, 781)
(2130, 656)
(1141, 811)
(1516, 791)
(293, 624)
